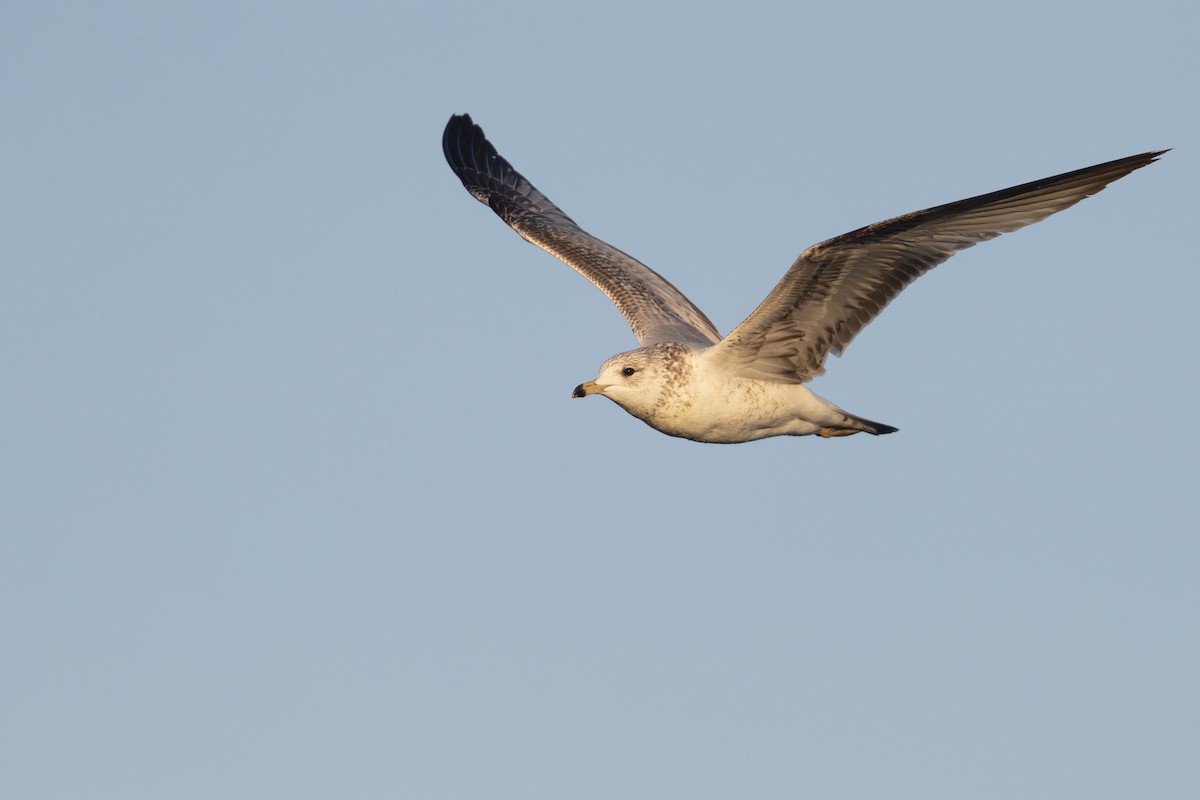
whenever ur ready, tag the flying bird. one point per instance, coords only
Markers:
(686, 379)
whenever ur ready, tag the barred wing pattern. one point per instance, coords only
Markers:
(656, 310)
(837, 287)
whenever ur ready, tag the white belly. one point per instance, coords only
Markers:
(743, 409)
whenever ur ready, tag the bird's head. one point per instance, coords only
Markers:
(634, 380)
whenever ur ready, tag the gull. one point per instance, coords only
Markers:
(686, 380)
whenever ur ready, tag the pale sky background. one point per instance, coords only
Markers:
(296, 502)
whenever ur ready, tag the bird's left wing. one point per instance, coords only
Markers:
(835, 288)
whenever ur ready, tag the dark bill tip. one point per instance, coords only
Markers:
(579, 392)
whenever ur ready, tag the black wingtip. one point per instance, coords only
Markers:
(459, 129)
(457, 123)
(468, 151)
(1149, 157)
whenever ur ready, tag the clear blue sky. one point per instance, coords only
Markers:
(296, 502)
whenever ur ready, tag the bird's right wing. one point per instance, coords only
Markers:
(656, 310)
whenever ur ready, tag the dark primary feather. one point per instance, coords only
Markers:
(838, 286)
(656, 310)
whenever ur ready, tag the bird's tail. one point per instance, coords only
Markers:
(856, 425)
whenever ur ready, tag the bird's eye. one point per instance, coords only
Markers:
(628, 371)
